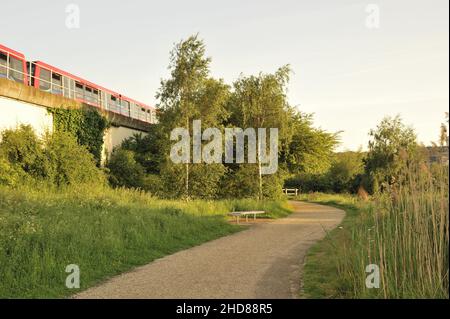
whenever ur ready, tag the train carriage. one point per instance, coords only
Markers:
(48, 78)
(13, 65)
(53, 80)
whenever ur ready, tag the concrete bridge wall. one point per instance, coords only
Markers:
(114, 136)
(15, 112)
(21, 104)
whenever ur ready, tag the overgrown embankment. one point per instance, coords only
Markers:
(103, 231)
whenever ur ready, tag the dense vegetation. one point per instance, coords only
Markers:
(403, 228)
(56, 209)
(55, 160)
(405, 231)
(87, 125)
(344, 175)
(392, 147)
(256, 101)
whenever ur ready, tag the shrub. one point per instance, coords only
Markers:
(69, 162)
(147, 149)
(57, 159)
(23, 150)
(153, 183)
(9, 175)
(344, 176)
(241, 182)
(392, 147)
(310, 183)
(124, 170)
(87, 125)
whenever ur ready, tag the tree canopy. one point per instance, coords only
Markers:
(255, 101)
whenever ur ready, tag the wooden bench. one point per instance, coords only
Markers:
(246, 213)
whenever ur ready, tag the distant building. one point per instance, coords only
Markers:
(437, 154)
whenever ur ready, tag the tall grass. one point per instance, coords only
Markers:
(404, 230)
(103, 231)
(410, 235)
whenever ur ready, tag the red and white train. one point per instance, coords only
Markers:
(45, 77)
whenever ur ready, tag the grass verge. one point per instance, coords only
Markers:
(321, 271)
(103, 231)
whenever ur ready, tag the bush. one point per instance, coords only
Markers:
(146, 148)
(344, 176)
(241, 182)
(24, 151)
(308, 183)
(153, 184)
(124, 170)
(57, 159)
(344, 172)
(87, 125)
(69, 162)
(9, 176)
(392, 147)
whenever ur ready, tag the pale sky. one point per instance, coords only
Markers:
(350, 76)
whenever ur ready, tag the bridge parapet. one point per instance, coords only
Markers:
(31, 95)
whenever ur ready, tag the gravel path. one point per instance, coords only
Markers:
(264, 261)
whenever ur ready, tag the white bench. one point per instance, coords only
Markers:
(246, 213)
(290, 191)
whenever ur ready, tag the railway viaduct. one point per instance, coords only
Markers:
(21, 104)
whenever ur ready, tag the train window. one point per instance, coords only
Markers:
(56, 83)
(135, 112)
(142, 114)
(3, 63)
(56, 77)
(125, 107)
(113, 103)
(96, 98)
(89, 96)
(79, 94)
(16, 71)
(44, 79)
